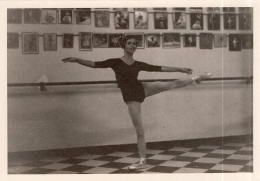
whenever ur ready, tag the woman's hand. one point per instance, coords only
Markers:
(187, 71)
(70, 59)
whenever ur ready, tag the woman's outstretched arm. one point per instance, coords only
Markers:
(87, 63)
(176, 69)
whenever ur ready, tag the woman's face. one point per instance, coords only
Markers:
(130, 46)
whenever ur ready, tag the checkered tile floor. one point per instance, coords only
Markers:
(234, 156)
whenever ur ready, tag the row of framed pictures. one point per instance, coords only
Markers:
(141, 18)
(87, 41)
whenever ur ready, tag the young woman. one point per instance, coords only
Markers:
(134, 92)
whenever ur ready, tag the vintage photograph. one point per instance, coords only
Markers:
(102, 19)
(206, 41)
(32, 16)
(83, 16)
(50, 41)
(196, 21)
(190, 40)
(139, 37)
(160, 9)
(245, 9)
(213, 21)
(245, 21)
(14, 16)
(67, 40)
(30, 43)
(153, 40)
(114, 40)
(65, 16)
(140, 18)
(213, 10)
(161, 20)
(85, 41)
(220, 40)
(234, 42)
(179, 20)
(171, 40)
(196, 9)
(100, 40)
(179, 9)
(121, 17)
(230, 21)
(49, 16)
(247, 41)
(229, 9)
(12, 40)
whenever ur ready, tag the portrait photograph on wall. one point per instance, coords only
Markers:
(102, 19)
(85, 41)
(67, 40)
(245, 9)
(49, 16)
(12, 40)
(140, 18)
(83, 16)
(234, 42)
(247, 41)
(32, 16)
(196, 9)
(179, 9)
(113, 40)
(153, 40)
(190, 40)
(213, 21)
(171, 40)
(220, 40)
(65, 16)
(179, 20)
(30, 43)
(213, 10)
(196, 21)
(206, 41)
(228, 9)
(100, 40)
(139, 37)
(14, 16)
(50, 41)
(121, 18)
(230, 21)
(244, 21)
(161, 20)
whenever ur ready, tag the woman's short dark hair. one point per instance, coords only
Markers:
(123, 40)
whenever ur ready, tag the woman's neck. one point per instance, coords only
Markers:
(128, 57)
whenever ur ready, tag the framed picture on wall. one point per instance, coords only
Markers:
(139, 37)
(206, 40)
(247, 41)
(213, 9)
(161, 20)
(49, 16)
(234, 42)
(32, 16)
(171, 40)
(114, 40)
(230, 21)
(190, 40)
(12, 40)
(213, 21)
(179, 9)
(245, 21)
(50, 41)
(160, 9)
(228, 9)
(140, 18)
(153, 40)
(121, 18)
(67, 40)
(85, 41)
(179, 20)
(245, 9)
(65, 16)
(83, 16)
(100, 40)
(220, 40)
(14, 16)
(196, 21)
(30, 43)
(102, 19)
(195, 9)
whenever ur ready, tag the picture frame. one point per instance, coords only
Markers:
(171, 40)
(12, 40)
(230, 21)
(100, 40)
(206, 41)
(14, 16)
(179, 9)
(213, 9)
(245, 9)
(213, 21)
(245, 21)
(114, 40)
(160, 20)
(196, 9)
(220, 40)
(102, 19)
(229, 9)
(160, 9)
(67, 40)
(85, 41)
(139, 37)
(140, 18)
(50, 41)
(234, 42)
(30, 43)
(247, 41)
(196, 21)
(121, 18)
(83, 16)
(32, 16)
(190, 40)
(65, 16)
(179, 20)
(153, 40)
(49, 16)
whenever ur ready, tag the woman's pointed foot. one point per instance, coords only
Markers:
(200, 78)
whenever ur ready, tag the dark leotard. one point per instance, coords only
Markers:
(126, 76)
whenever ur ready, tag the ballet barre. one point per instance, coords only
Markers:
(42, 85)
